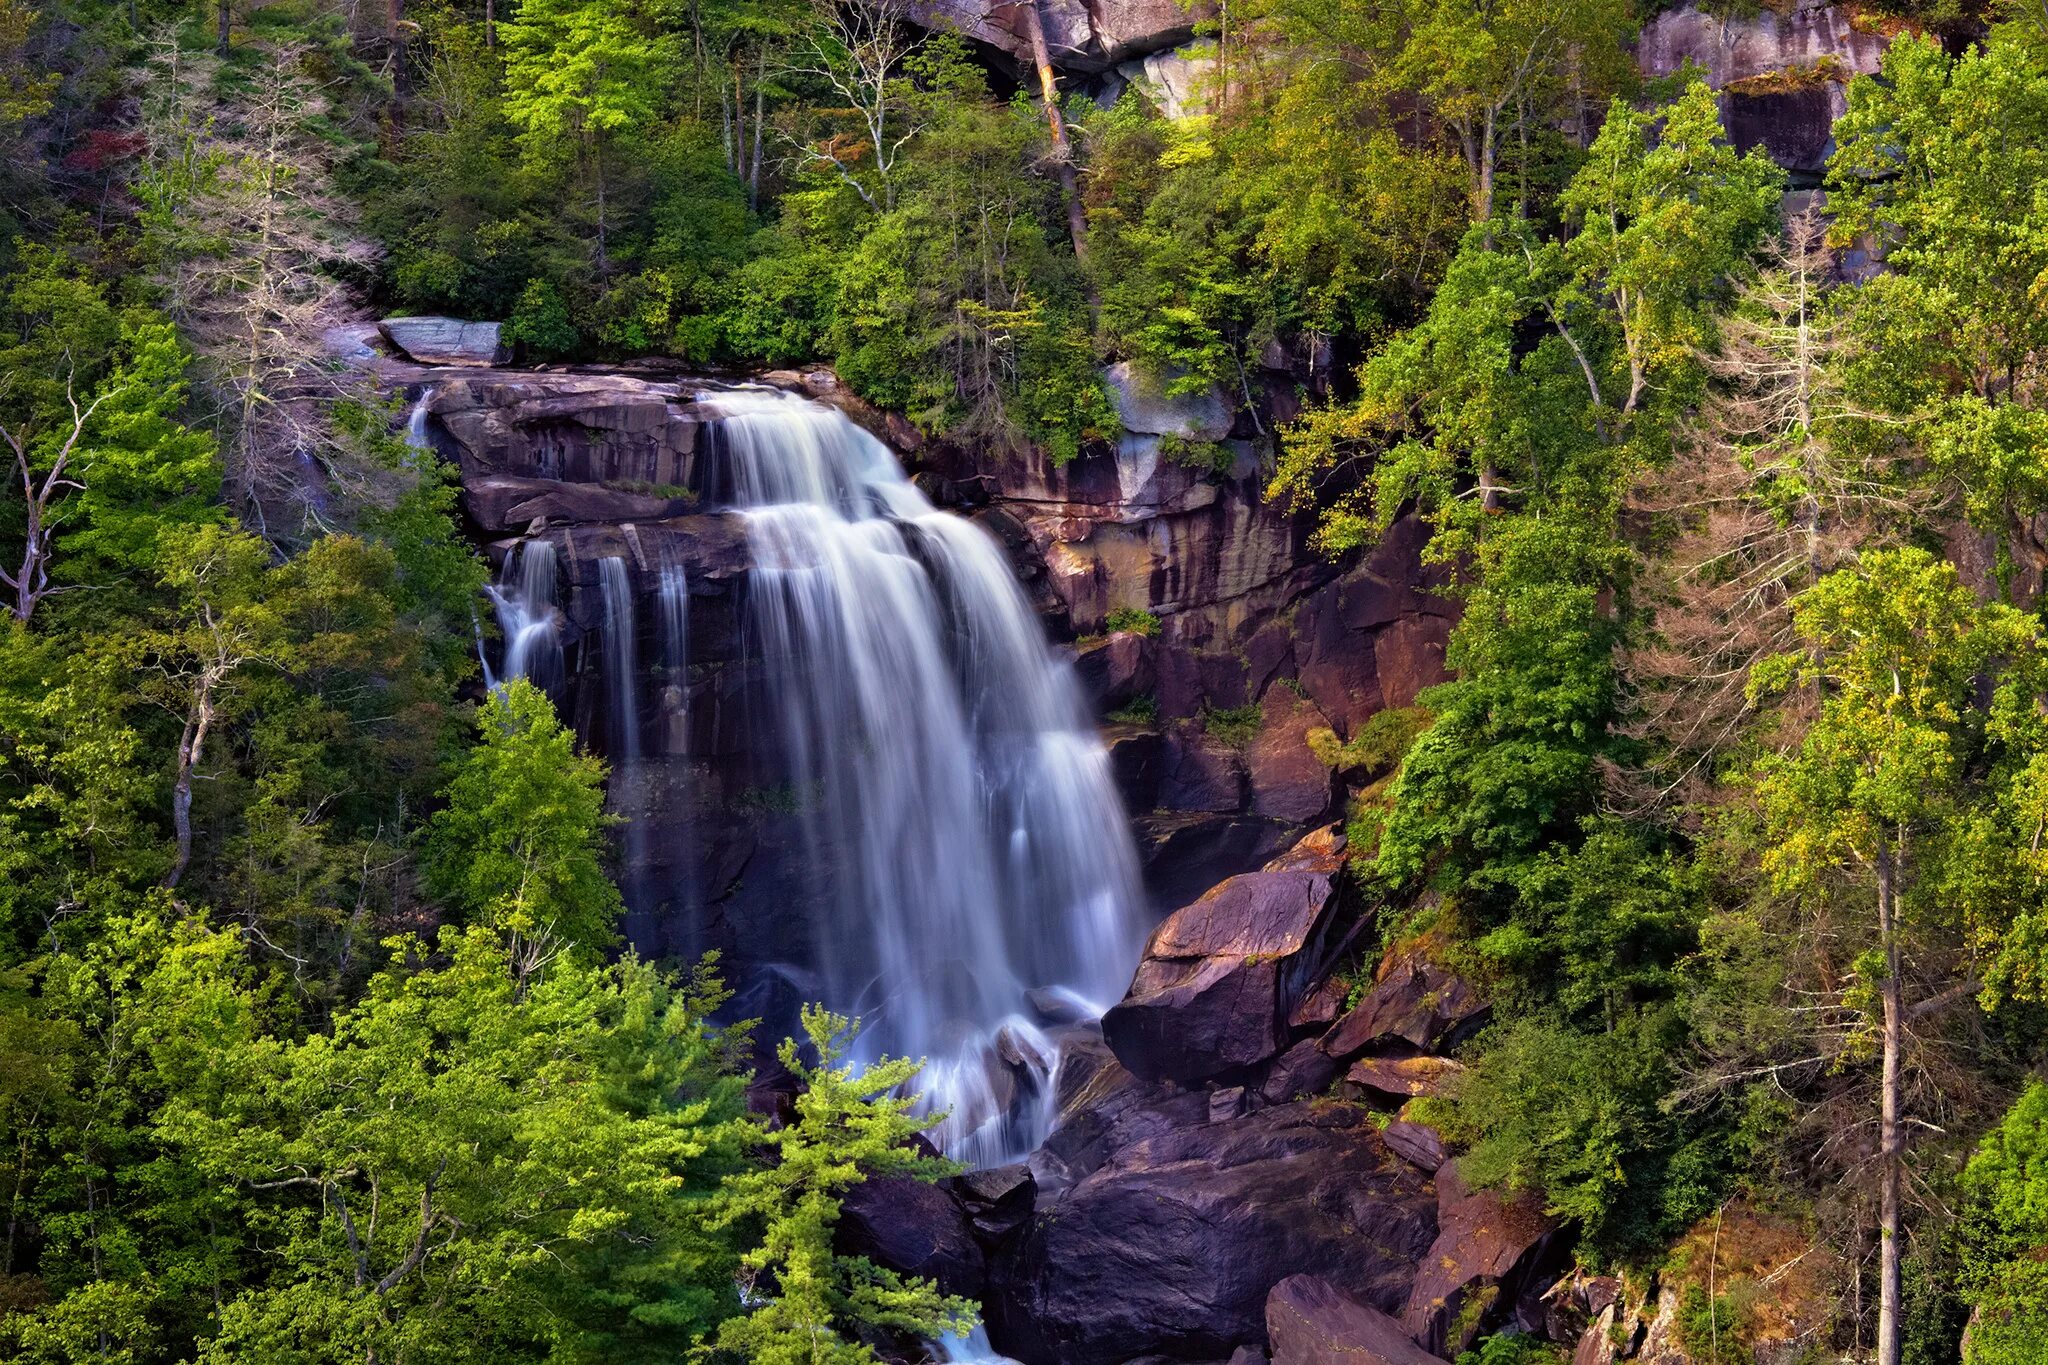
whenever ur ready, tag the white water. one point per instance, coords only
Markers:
(972, 1349)
(524, 600)
(953, 788)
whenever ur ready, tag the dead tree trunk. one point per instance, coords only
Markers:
(1062, 149)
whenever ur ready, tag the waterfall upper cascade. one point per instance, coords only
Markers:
(972, 843)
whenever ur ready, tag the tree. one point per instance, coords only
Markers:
(247, 231)
(2004, 1230)
(856, 51)
(520, 847)
(852, 1122)
(1781, 477)
(581, 74)
(1879, 792)
(1940, 160)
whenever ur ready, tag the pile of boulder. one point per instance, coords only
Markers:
(1231, 1178)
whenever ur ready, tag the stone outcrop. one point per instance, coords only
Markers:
(1414, 1003)
(1781, 74)
(445, 341)
(1084, 36)
(1220, 977)
(915, 1228)
(1311, 1322)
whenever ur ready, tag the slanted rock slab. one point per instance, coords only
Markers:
(1311, 1322)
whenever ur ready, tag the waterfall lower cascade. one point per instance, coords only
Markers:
(951, 782)
(524, 600)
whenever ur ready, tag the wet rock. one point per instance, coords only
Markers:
(914, 1228)
(445, 341)
(1220, 976)
(998, 1200)
(1414, 1001)
(1404, 1077)
(1489, 1248)
(1172, 1245)
(1312, 1322)
(1136, 757)
(1145, 408)
(499, 503)
(1184, 853)
(1201, 773)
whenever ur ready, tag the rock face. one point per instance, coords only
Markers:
(1781, 75)
(445, 341)
(1083, 36)
(1312, 1322)
(1172, 1245)
(1220, 976)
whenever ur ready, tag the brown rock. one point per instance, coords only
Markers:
(1309, 1321)
(1596, 1343)
(913, 1228)
(1416, 1142)
(1200, 774)
(1288, 781)
(1116, 668)
(1173, 1244)
(1486, 1245)
(1406, 1077)
(1219, 977)
(1414, 1001)
(1302, 1071)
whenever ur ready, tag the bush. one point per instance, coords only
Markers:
(1134, 619)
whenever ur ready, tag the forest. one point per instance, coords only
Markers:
(320, 1038)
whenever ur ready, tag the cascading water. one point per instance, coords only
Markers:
(524, 600)
(948, 775)
(621, 659)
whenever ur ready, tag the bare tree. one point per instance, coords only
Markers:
(42, 490)
(249, 231)
(856, 50)
(1779, 479)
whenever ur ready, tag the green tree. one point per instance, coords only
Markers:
(1880, 790)
(520, 847)
(579, 76)
(2004, 1230)
(852, 1122)
(1940, 159)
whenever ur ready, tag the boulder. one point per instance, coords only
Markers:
(1405, 1077)
(1416, 1142)
(1414, 1002)
(1172, 1245)
(445, 341)
(915, 1228)
(997, 1200)
(1200, 773)
(1144, 407)
(1490, 1248)
(1184, 853)
(1311, 1322)
(1219, 977)
(1302, 1071)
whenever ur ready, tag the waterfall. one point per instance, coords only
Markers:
(524, 600)
(675, 618)
(949, 777)
(621, 659)
(416, 423)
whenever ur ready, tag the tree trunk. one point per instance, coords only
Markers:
(191, 748)
(1889, 1281)
(1062, 150)
(604, 263)
(225, 18)
(394, 23)
(754, 163)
